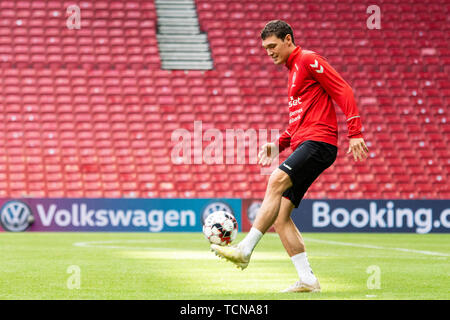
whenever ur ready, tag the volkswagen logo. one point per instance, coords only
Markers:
(216, 206)
(16, 216)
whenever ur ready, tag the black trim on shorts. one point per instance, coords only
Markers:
(304, 165)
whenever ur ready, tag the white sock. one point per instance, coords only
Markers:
(304, 270)
(250, 241)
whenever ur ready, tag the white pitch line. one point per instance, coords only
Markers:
(350, 244)
(117, 244)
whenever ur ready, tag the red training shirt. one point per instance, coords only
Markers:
(313, 84)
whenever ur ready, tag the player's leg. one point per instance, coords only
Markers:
(322, 155)
(278, 183)
(287, 231)
(292, 241)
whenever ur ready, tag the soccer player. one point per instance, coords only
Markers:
(312, 135)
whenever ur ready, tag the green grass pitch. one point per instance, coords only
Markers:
(172, 266)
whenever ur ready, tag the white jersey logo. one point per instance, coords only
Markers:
(296, 102)
(317, 66)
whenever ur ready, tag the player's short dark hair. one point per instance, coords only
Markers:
(278, 28)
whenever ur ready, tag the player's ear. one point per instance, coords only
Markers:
(288, 39)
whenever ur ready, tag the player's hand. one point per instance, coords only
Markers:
(358, 147)
(267, 153)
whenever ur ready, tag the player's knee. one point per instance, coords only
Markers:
(279, 182)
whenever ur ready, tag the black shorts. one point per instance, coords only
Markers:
(304, 165)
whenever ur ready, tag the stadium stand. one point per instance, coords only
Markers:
(89, 113)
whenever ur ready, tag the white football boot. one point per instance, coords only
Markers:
(231, 253)
(300, 286)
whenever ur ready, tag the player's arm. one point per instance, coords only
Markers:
(341, 92)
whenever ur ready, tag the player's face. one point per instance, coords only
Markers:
(277, 49)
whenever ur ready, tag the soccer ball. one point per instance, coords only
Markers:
(220, 228)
